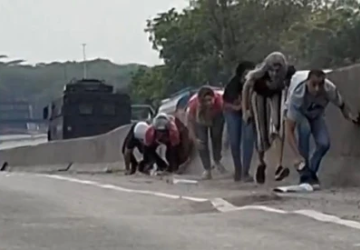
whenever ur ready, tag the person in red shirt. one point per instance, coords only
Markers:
(171, 132)
(205, 113)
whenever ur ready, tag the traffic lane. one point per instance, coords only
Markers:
(30, 223)
(83, 198)
(341, 202)
(207, 189)
(35, 214)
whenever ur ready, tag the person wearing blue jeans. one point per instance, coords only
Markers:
(241, 138)
(318, 129)
(240, 134)
(305, 109)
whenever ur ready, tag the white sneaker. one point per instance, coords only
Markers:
(206, 175)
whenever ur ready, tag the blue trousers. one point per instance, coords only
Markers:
(241, 138)
(318, 129)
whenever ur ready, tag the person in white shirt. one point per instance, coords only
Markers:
(304, 111)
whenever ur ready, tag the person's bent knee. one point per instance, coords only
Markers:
(323, 146)
(303, 129)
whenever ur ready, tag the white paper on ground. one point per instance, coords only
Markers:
(184, 181)
(295, 188)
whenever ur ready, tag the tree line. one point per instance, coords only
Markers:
(204, 42)
(40, 84)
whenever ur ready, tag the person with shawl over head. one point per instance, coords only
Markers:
(263, 91)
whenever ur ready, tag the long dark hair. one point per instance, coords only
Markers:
(205, 91)
(242, 67)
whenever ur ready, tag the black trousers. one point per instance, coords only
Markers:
(150, 156)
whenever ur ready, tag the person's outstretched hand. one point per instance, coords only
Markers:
(247, 116)
(355, 118)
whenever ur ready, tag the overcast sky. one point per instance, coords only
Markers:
(53, 30)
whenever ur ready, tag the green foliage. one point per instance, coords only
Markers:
(42, 83)
(204, 42)
(148, 84)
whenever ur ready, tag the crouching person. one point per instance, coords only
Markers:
(171, 132)
(305, 109)
(185, 147)
(205, 113)
(135, 139)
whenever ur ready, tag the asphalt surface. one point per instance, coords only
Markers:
(46, 212)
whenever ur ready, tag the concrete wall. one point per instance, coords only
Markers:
(97, 149)
(343, 161)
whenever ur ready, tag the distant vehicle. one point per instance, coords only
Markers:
(141, 112)
(87, 107)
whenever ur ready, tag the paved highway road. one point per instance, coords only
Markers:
(93, 212)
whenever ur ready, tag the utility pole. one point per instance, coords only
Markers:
(84, 60)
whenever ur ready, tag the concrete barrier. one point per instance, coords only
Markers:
(19, 143)
(342, 163)
(98, 149)
(5, 138)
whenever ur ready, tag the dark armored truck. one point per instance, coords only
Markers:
(87, 107)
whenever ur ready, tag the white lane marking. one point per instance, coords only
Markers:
(218, 203)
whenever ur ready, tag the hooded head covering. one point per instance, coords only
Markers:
(161, 121)
(140, 130)
(277, 77)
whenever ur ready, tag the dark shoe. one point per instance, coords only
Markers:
(237, 175)
(131, 171)
(306, 175)
(281, 173)
(260, 174)
(314, 181)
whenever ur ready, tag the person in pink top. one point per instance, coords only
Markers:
(205, 113)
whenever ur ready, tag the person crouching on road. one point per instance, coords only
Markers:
(305, 109)
(171, 132)
(266, 84)
(135, 139)
(241, 135)
(185, 148)
(205, 113)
